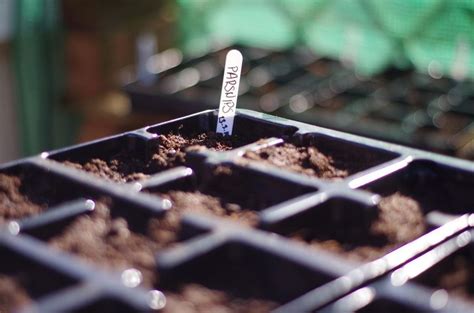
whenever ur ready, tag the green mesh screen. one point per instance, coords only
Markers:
(436, 36)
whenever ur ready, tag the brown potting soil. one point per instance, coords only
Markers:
(200, 203)
(109, 242)
(305, 160)
(194, 298)
(14, 204)
(171, 151)
(12, 294)
(399, 221)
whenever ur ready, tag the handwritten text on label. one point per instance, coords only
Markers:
(229, 92)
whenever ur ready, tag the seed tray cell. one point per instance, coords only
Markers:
(353, 230)
(246, 126)
(384, 297)
(112, 243)
(434, 186)
(24, 280)
(43, 280)
(299, 233)
(38, 188)
(453, 273)
(318, 156)
(137, 155)
(438, 281)
(213, 188)
(247, 264)
(395, 290)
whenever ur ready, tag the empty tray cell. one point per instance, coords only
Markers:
(425, 82)
(454, 274)
(431, 185)
(244, 279)
(465, 107)
(228, 192)
(22, 280)
(355, 231)
(392, 113)
(321, 156)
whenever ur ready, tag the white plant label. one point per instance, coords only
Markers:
(229, 93)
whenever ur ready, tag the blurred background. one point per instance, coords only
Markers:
(397, 70)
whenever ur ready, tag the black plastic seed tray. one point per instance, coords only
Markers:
(237, 228)
(426, 284)
(398, 106)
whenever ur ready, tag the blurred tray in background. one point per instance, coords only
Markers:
(405, 107)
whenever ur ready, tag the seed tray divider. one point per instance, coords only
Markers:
(53, 214)
(221, 231)
(437, 218)
(414, 295)
(41, 253)
(163, 178)
(170, 262)
(384, 169)
(284, 174)
(200, 245)
(110, 283)
(380, 267)
(121, 192)
(282, 211)
(413, 298)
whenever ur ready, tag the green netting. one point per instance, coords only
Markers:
(253, 22)
(400, 18)
(450, 50)
(300, 10)
(370, 34)
(264, 23)
(346, 31)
